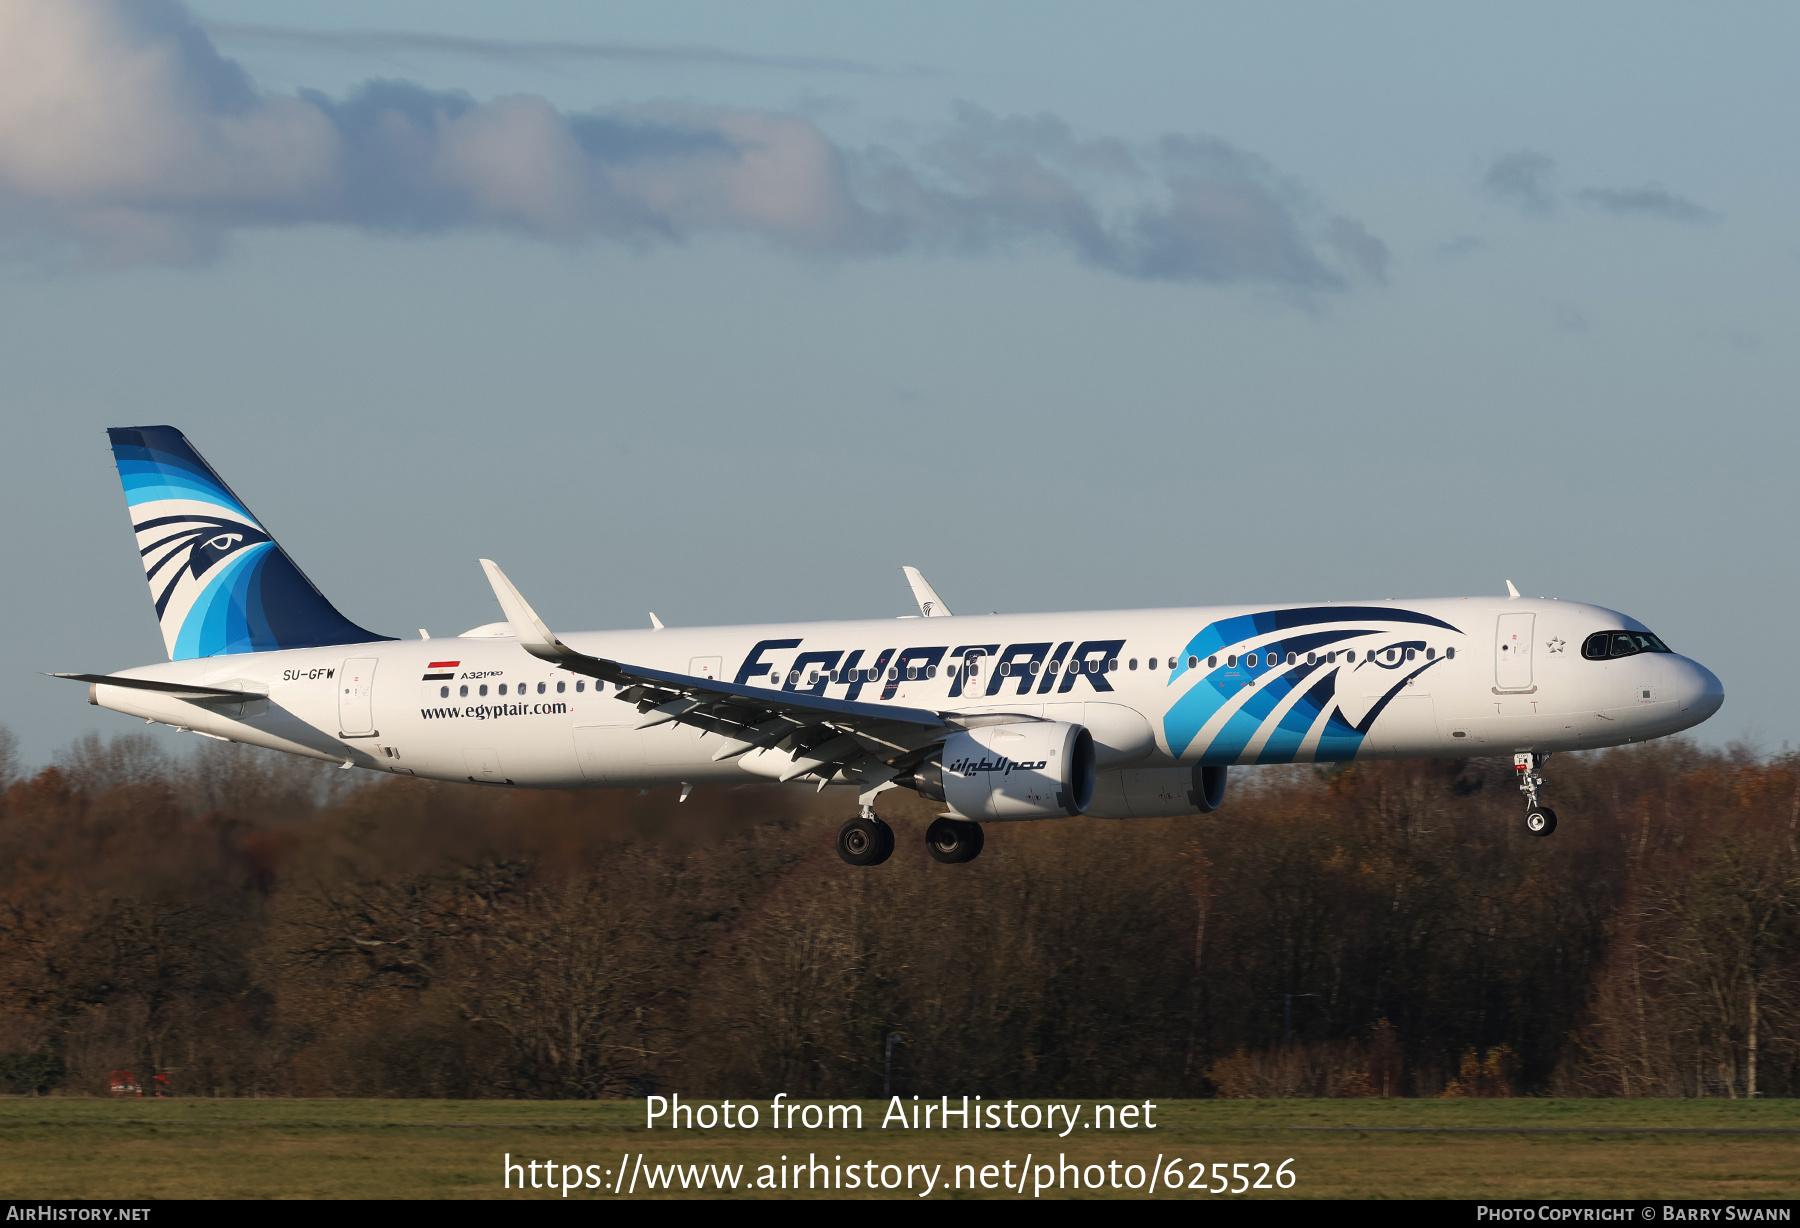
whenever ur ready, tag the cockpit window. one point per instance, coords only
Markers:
(1604, 644)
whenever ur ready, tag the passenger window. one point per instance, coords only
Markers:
(1411, 653)
(443, 692)
(1292, 658)
(1131, 664)
(1231, 660)
(1193, 662)
(1449, 653)
(1350, 656)
(1312, 658)
(1112, 666)
(541, 688)
(463, 691)
(503, 688)
(560, 687)
(1390, 654)
(931, 671)
(1431, 654)
(893, 673)
(482, 690)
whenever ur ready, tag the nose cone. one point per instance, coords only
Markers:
(1697, 690)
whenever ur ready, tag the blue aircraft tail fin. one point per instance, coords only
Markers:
(219, 582)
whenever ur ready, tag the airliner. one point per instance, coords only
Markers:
(1115, 714)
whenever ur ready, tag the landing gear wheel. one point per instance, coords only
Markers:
(953, 841)
(1541, 821)
(865, 841)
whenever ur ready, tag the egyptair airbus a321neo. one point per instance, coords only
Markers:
(999, 717)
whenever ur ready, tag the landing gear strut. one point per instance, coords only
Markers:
(1539, 820)
(953, 841)
(865, 840)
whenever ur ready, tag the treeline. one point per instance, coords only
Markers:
(258, 925)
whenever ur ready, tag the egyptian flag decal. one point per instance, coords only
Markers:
(437, 665)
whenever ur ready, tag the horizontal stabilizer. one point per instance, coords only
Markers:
(180, 690)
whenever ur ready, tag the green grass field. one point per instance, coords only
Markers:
(65, 1148)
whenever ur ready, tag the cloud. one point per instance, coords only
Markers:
(1461, 245)
(1569, 318)
(127, 137)
(1358, 249)
(523, 51)
(1646, 202)
(1523, 180)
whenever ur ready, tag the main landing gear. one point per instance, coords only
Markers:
(867, 841)
(953, 841)
(1539, 820)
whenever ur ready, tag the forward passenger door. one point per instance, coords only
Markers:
(1512, 652)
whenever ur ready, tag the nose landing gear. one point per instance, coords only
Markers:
(865, 840)
(1539, 820)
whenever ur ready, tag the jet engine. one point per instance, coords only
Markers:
(1028, 770)
(1154, 793)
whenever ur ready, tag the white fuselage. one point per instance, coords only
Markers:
(1485, 676)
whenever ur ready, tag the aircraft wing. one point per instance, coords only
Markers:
(866, 742)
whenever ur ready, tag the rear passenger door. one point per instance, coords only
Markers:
(356, 698)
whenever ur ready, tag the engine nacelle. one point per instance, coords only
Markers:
(1156, 793)
(1028, 770)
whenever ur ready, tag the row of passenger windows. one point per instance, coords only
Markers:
(1252, 660)
(972, 666)
(522, 688)
(1604, 644)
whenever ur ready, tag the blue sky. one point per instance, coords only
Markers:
(1071, 306)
